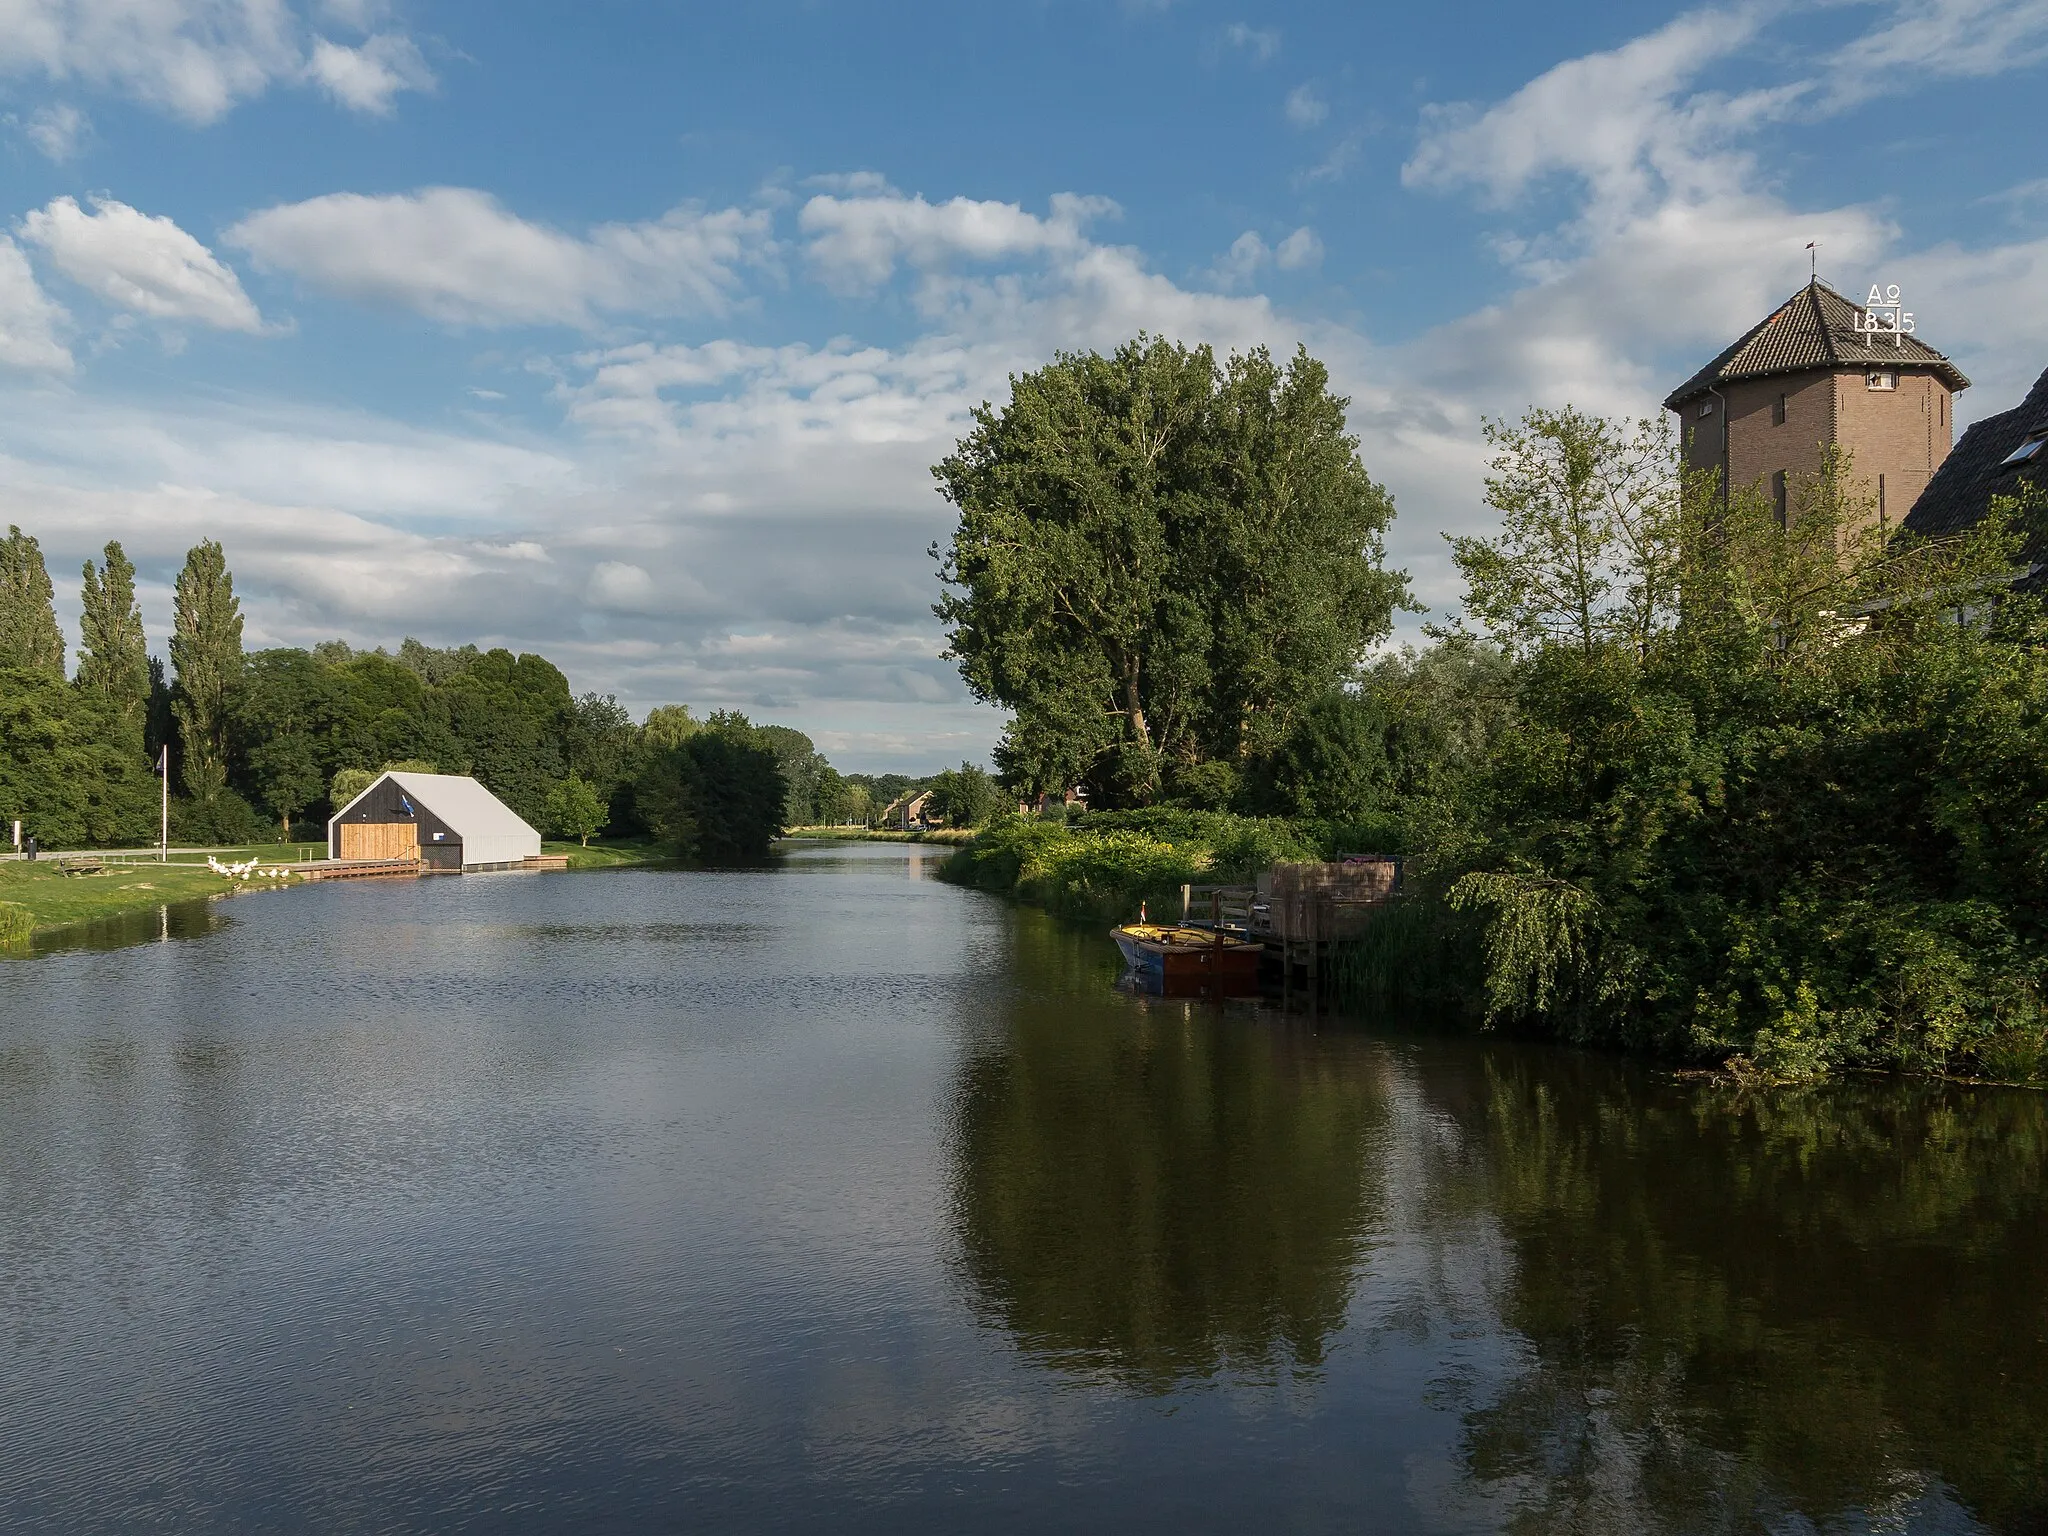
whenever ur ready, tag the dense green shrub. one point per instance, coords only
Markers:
(717, 796)
(1083, 875)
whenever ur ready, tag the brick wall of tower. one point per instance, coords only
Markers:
(1759, 446)
(1780, 426)
(1901, 435)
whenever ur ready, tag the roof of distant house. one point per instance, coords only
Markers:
(1815, 328)
(1991, 460)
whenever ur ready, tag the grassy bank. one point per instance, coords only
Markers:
(40, 897)
(36, 896)
(1100, 867)
(614, 854)
(878, 835)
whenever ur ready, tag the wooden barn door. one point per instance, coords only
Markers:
(380, 840)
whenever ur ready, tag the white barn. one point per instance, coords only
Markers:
(447, 821)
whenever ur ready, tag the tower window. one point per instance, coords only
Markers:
(1778, 412)
(1778, 497)
(1881, 378)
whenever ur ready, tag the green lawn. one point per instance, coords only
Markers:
(878, 835)
(608, 855)
(54, 900)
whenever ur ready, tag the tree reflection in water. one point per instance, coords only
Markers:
(1165, 1199)
(1750, 1310)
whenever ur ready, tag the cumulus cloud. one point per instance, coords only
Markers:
(1958, 39)
(58, 131)
(197, 58)
(142, 264)
(30, 321)
(1305, 108)
(1259, 42)
(855, 242)
(1299, 251)
(367, 78)
(457, 255)
(1249, 255)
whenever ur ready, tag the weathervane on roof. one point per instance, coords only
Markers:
(1885, 314)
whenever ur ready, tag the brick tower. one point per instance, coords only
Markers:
(1819, 372)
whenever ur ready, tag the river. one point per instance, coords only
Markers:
(833, 1198)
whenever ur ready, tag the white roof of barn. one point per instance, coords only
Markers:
(471, 811)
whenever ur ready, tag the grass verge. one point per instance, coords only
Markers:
(609, 855)
(946, 835)
(54, 900)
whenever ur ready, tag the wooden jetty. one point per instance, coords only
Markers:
(359, 869)
(1300, 913)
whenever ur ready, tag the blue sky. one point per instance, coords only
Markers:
(627, 332)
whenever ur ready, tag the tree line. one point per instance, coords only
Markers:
(1681, 773)
(267, 744)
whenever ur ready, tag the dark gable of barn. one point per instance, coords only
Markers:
(388, 802)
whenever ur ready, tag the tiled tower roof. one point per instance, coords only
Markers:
(1815, 328)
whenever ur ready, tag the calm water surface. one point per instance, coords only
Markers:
(834, 1198)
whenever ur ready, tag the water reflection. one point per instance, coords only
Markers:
(1741, 1309)
(833, 1198)
(146, 925)
(1166, 1191)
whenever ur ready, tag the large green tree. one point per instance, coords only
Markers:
(29, 637)
(206, 651)
(1160, 561)
(717, 795)
(113, 660)
(68, 766)
(284, 714)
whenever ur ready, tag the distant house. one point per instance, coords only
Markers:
(448, 822)
(1999, 456)
(907, 813)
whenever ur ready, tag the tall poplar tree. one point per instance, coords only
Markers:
(29, 637)
(113, 663)
(206, 650)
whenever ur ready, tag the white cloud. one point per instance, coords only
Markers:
(1952, 38)
(29, 319)
(1249, 255)
(142, 264)
(456, 255)
(369, 77)
(856, 242)
(1299, 251)
(1305, 108)
(1241, 263)
(1612, 119)
(197, 58)
(59, 131)
(1260, 42)
(620, 587)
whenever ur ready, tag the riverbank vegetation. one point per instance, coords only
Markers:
(1683, 775)
(268, 743)
(37, 896)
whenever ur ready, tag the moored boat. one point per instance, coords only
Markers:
(1183, 960)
